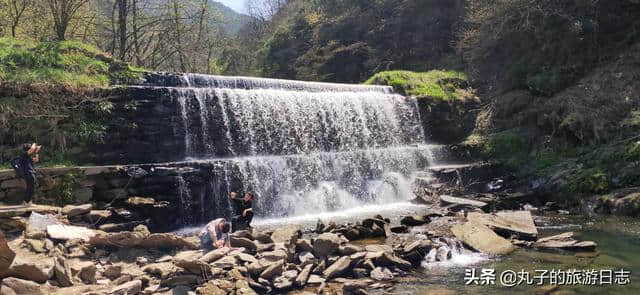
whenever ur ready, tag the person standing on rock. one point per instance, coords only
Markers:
(30, 155)
(215, 234)
(243, 211)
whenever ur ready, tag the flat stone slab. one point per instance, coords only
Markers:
(460, 201)
(564, 241)
(12, 211)
(508, 223)
(70, 232)
(482, 238)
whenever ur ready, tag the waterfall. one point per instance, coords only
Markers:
(302, 147)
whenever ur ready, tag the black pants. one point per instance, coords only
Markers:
(240, 222)
(30, 179)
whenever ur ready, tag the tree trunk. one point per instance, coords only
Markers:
(122, 31)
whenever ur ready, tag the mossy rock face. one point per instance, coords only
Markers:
(435, 84)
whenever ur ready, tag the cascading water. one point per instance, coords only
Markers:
(302, 147)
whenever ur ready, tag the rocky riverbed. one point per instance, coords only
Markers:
(52, 250)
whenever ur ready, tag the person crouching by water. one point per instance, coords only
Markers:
(243, 211)
(30, 155)
(215, 235)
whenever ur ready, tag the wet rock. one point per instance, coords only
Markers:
(481, 238)
(261, 236)
(319, 227)
(17, 286)
(449, 200)
(72, 211)
(381, 274)
(360, 273)
(303, 277)
(508, 223)
(414, 220)
(443, 253)
(369, 222)
(62, 272)
(70, 232)
(399, 229)
(315, 279)
(6, 254)
(564, 241)
(389, 259)
(349, 249)
(422, 246)
(33, 268)
(337, 268)
(378, 231)
(273, 270)
(325, 244)
(288, 234)
(304, 245)
(243, 242)
(286, 280)
(128, 288)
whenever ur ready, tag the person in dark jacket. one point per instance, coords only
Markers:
(243, 211)
(28, 158)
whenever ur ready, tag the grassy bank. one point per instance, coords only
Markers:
(68, 63)
(436, 84)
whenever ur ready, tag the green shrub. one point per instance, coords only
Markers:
(66, 187)
(593, 180)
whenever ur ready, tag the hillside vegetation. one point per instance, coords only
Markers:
(68, 63)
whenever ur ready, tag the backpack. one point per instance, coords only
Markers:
(17, 166)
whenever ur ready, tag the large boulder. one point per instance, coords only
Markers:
(214, 255)
(508, 223)
(564, 241)
(482, 238)
(168, 241)
(6, 254)
(69, 232)
(33, 268)
(72, 211)
(244, 243)
(325, 244)
(337, 268)
(288, 234)
(17, 286)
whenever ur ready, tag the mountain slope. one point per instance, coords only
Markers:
(233, 21)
